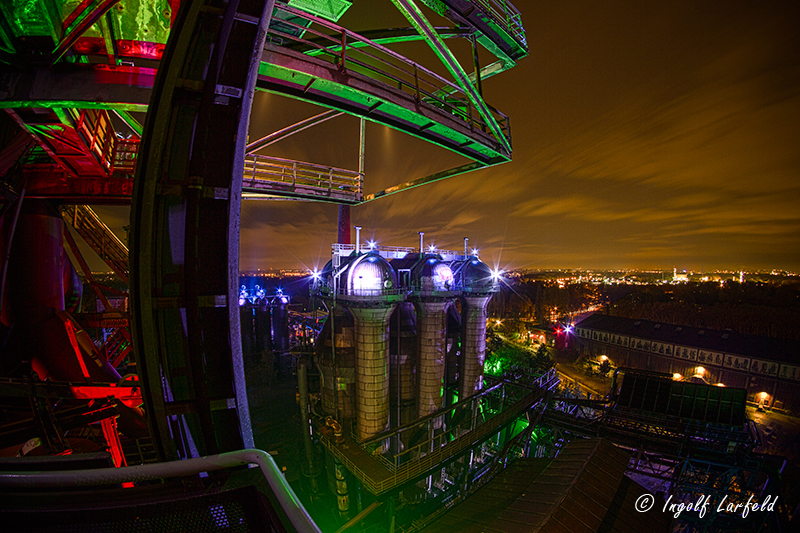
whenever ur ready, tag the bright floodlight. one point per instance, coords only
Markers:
(431, 248)
(496, 274)
(315, 275)
(371, 244)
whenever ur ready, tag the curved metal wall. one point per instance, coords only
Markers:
(185, 229)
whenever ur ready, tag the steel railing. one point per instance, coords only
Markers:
(286, 175)
(507, 16)
(509, 401)
(102, 240)
(349, 50)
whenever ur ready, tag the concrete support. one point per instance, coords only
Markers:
(372, 369)
(473, 352)
(431, 332)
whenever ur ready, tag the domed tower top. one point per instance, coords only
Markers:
(428, 272)
(369, 274)
(473, 276)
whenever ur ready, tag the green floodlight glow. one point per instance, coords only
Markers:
(329, 9)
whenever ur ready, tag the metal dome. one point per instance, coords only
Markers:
(436, 274)
(473, 275)
(428, 271)
(370, 272)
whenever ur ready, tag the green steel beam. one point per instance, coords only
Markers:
(417, 19)
(313, 80)
(106, 24)
(463, 169)
(76, 30)
(130, 121)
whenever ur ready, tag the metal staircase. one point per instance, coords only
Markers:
(118, 346)
(102, 240)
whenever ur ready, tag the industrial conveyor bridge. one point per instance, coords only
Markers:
(436, 439)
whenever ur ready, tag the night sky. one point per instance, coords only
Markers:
(645, 134)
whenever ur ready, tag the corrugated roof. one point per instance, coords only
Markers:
(786, 350)
(583, 490)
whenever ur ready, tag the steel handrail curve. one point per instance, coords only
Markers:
(284, 493)
(314, 180)
(274, 170)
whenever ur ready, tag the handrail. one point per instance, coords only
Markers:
(431, 416)
(506, 14)
(321, 180)
(102, 240)
(396, 474)
(286, 496)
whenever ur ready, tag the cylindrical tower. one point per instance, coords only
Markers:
(336, 358)
(368, 292)
(372, 369)
(431, 332)
(431, 286)
(478, 284)
(473, 354)
(34, 288)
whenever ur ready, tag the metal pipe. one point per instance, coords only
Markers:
(287, 498)
(344, 224)
(466, 239)
(9, 242)
(305, 424)
(362, 145)
(358, 238)
(291, 130)
(421, 243)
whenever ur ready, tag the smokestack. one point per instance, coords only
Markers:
(344, 225)
(466, 239)
(421, 242)
(358, 238)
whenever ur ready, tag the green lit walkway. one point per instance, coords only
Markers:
(380, 475)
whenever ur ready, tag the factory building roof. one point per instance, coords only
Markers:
(725, 341)
(583, 490)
